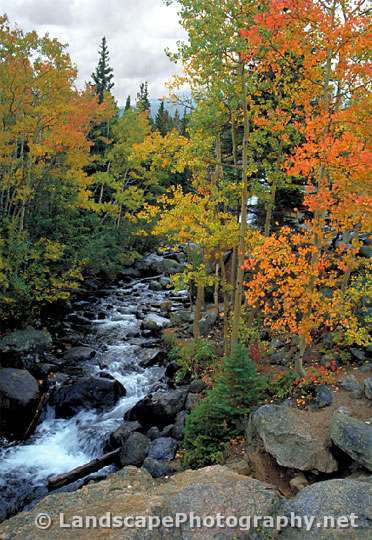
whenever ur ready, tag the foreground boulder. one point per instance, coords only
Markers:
(159, 409)
(133, 492)
(163, 449)
(354, 437)
(19, 393)
(287, 436)
(86, 393)
(334, 499)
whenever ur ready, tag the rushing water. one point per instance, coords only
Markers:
(60, 445)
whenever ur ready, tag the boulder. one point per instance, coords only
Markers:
(354, 437)
(78, 354)
(287, 436)
(192, 400)
(350, 384)
(163, 449)
(368, 387)
(197, 386)
(156, 468)
(134, 449)
(86, 393)
(159, 409)
(150, 357)
(330, 499)
(120, 435)
(155, 323)
(323, 396)
(19, 393)
(23, 341)
(153, 264)
(184, 316)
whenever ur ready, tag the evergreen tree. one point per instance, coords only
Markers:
(103, 75)
(218, 417)
(143, 102)
(128, 104)
(163, 120)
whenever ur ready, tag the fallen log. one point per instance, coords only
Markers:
(60, 480)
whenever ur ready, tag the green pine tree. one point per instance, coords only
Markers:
(218, 417)
(103, 75)
(143, 102)
(163, 120)
(128, 105)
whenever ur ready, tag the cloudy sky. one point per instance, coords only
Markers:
(137, 31)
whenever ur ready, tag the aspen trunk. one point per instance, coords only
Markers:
(198, 310)
(243, 221)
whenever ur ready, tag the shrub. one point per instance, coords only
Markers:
(195, 358)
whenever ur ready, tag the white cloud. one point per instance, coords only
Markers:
(137, 32)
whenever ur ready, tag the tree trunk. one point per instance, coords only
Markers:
(300, 358)
(243, 221)
(198, 311)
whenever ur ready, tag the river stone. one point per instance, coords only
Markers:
(120, 435)
(368, 387)
(28, 340)
(86, 393)
(155, 323)
(134, 449)
(334, 498)
(207, 323)
(354, 437)
(79, 354)
(133, 492)
(288, 437)
(159, 409)
(19, 392)
(163, 449)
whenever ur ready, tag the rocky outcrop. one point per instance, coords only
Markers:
(354, 437)
(155, 322)
(19, 392)
(286, 436)
(333, 498)
(132, 492)
(86, 393)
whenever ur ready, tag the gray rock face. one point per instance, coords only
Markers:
(132, 492)
(155, 323)
(354, 437)
(135, 449)
(28, 340)
(19, 392)
(368, 387)
(350, 384)
(289, 439)
(334, 498)
(86, 393)
(163, 449)
(177, 430)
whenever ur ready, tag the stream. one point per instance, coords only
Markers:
(59, 445)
